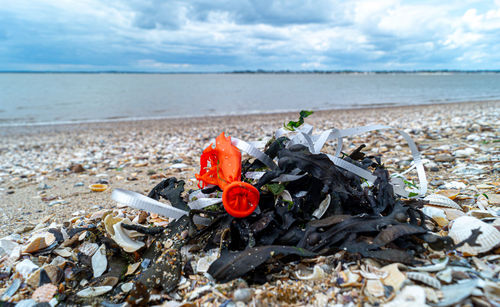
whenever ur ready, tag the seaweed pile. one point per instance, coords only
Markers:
(309, 209)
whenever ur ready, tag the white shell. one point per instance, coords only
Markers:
(424, 278)
(94, 291)
(99, 261)
(121, 238)
(395, 277)
(409, 296)
(317, 274)
(461, 229)
(433, 212)
(25, 267)
(445, 275)
(374, 287)
(88, 248)
(443, 201)
(323, 206)
(432, 268)
(204, 262)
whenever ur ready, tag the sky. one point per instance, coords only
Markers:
(231, 35)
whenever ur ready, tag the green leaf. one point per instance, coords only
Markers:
(275, 188)
(295, 124)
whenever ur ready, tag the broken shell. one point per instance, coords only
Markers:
(451, 194)
(424, 278)
(125, 242)
(441, 265)
(39, 242)
(323, 206)
(480, 214)
(395, 277)
(409, 296)
(44, 293)
(94, 291)
(492, 291)
(455, 293)
(350, 279)
(445, 275)
(132, 268)
(25, 267)
(88, 249)
(99, 261)
(109, 221)
(462, 229)
(204, 262)
(442, 201)
(63, 252)
(54, 273)
(374, 287)
(317, 274)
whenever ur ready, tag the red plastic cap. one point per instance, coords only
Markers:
(240, 199)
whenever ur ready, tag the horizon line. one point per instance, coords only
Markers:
(259, 71)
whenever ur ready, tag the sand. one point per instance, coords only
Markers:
(36, 182)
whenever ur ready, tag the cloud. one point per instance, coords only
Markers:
(204, 35)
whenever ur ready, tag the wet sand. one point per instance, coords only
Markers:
(36, 180)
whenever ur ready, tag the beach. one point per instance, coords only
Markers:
(45, 171)
(136, 155)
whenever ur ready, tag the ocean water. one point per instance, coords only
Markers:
(27, 98)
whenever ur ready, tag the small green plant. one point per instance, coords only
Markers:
(295, 124)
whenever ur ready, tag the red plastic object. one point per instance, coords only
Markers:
(240, 199)
(221, 166)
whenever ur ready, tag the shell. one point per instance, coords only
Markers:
(109, 221)
(63, 252)
(482, 202)
(480, 214)
(98, 187)
(461, 229)
(323, 206)
(409, 296)
(433, 268)
(204, 262)
(445, 275)
(424, 278)
(374, 287)
(132, 268)
(88, 248)
(121, 238)
(25, 267)
(39, 242)
(94, 291)
(317, 274)
(44, 293)
(350, 279)
(99, 261)
(492, 291)
(442, 201)
(395, 277)
(455, 293)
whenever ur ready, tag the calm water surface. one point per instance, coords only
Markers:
(57, 98)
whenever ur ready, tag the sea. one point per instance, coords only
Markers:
(60, 98)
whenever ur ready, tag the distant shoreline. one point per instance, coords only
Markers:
(219, 116)
(261, 71)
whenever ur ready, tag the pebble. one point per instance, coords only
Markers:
(242, 295)
(464, 153)
(444, 158)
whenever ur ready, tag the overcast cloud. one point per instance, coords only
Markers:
(227, 35)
